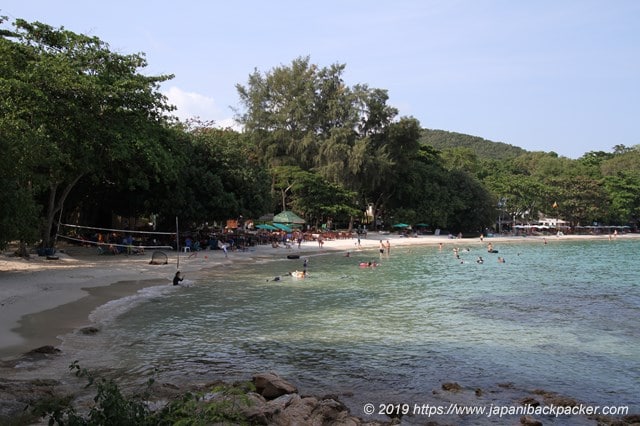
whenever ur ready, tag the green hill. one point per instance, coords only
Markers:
(441, 140)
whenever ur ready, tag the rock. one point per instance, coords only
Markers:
(451, 387)
(293, 409)
(530, 401)
(16, 396)
(271, 386)
(561, 401)
(631, 419)
(89, 330)
(528, 421)
(44, 350)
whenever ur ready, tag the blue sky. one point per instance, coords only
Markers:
(545, 75)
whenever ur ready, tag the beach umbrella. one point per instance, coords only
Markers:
(282, 227)
(288, 217)
(400, 225)
(267, 227)
(422, 225)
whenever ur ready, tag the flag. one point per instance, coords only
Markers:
(555, 205)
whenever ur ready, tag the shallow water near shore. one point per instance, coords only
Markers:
(561, 317)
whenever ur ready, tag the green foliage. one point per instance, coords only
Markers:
(82, 127)
(223, 404)
(72, 108)
(441, 140)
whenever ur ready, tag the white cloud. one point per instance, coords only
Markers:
(192, 105)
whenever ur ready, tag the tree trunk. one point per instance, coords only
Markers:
(22, 250)
(53, 207)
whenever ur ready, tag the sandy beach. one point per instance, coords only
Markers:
(41, 299)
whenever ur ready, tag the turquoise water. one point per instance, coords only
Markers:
(561, 317)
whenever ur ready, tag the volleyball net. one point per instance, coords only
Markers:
(116, 239)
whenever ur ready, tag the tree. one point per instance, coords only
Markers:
(85, 109)
(220, 179)
(305, 116)
(312, 196)
(621, 174)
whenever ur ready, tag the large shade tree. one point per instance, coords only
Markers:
(222, 178)
(78, 110)
(306, 116)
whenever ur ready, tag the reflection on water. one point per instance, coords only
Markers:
(561, 317)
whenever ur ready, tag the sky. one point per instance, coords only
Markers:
(545, 75)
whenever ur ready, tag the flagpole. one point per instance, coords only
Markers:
(177, 243)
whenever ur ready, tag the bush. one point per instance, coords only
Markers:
(222, 404)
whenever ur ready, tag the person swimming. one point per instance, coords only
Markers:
(177, 278)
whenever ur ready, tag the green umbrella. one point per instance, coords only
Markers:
(282, 227)
(400, 225)
(267, 227)
(288, 217)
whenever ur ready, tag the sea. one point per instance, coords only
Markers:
(559, 318)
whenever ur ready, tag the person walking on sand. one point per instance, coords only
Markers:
(177, 278)
(223, 246)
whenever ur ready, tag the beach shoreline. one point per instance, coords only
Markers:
(54, 302)
(41, 299)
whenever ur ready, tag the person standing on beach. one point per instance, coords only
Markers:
(177, 278)
(388, 247)
(381, 248)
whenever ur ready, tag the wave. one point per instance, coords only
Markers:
(110, 311)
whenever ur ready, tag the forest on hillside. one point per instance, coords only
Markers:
(86, 136)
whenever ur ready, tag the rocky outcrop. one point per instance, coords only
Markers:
(293, 409)
(272, 386)
(17, 395)
(277, 402)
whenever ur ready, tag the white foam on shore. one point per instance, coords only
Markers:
(108, 312)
